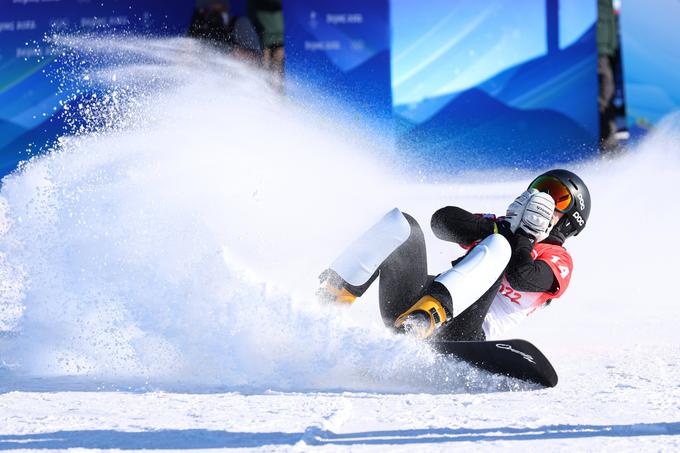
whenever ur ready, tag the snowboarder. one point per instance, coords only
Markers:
(515, 264)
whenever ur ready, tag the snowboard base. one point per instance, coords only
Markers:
(514, 358)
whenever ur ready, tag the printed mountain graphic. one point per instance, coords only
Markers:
(565, 81)
(515, 82)
(9, 131)
(477, 129)
(530, 114)
(37, 138)
(17, 150)
(365, 88)
(559, 81)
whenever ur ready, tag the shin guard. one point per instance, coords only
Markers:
(474, 274)
(361, 259)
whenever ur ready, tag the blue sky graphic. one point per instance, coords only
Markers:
(449, 46)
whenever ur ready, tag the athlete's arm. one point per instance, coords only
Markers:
(526, 274)
(457, 225)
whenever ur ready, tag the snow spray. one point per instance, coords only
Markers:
(175, 235)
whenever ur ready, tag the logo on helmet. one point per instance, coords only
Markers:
(578, 218)
(581, 201)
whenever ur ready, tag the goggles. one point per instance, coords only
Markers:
(558, 191)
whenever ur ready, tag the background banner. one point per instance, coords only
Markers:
(461, 84)
(500, 83)
(343, 50)
(650, 38)
(471, 84)
(29, 99)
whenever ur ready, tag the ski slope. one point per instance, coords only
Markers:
(157, 273)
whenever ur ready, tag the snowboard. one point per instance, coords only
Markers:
(515, 358)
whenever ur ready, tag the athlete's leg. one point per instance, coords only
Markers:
(380, 250)
(394, 249)
(403, 275)
(453, 292)
(473, 275)
(467, 326)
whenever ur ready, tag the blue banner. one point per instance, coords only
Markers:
(650, 37)
(504, 83)
(29, 98)
(341, 49)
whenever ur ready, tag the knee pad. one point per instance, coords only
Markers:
(362, 258)
(469, 279)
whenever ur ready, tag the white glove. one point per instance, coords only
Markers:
(532, 212)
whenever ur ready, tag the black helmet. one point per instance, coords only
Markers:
(572, 198)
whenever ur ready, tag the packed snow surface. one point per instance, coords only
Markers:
(158, 268)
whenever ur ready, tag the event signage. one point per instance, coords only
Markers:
(472, 84)
(341, 50)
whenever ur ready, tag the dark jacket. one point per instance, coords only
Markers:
(457, 225)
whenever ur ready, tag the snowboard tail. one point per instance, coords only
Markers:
(514, 358)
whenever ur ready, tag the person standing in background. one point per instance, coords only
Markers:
(607, 44)
(267, 17)
(213, 23)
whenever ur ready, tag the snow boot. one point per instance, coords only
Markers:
(331, 294)
(423, 319)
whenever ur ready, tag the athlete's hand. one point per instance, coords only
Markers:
(532, 212)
